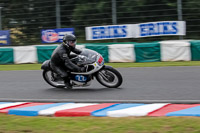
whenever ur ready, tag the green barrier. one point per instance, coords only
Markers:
(44, 52)
(195, 50)
(147, 52)
(6, 56)
(144, 52)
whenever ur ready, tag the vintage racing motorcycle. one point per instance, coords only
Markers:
(94, 62)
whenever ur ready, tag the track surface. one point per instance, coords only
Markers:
(146, 84)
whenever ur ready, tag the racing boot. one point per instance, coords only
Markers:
(68, 85)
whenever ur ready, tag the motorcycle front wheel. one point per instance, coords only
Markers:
(109, 77)
(48, 76)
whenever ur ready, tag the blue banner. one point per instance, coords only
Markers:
(55, 35)
(108, 32)
(161, 28)
(4, 37)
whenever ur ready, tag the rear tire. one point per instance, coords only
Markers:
(109, 77)
(49, 81)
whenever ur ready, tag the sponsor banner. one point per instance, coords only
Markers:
(4, 37)
(109, 32)
(162, 28)
(55, 35)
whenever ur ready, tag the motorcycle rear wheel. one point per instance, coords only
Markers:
(47, 75)
(109, 77)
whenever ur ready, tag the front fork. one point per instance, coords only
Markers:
(105, 75)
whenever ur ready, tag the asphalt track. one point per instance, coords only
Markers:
(147, 85)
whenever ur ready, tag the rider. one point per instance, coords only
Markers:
(60, 59)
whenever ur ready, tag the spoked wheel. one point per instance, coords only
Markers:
(51, 79)
(109, 77)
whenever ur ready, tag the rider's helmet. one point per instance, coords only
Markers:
(70, 40)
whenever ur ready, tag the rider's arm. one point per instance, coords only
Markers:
(76, 51)
(71, 66)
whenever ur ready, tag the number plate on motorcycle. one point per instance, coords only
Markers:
(80, 78)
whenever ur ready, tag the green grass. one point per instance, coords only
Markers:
(20, 67)
(39, 124)
(146, 64)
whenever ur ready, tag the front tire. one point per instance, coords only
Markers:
(109, 77)
(47, 75)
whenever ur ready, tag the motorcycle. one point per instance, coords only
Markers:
(94, 63)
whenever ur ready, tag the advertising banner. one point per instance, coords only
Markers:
(162, 28)
(109, 32)
(4, 37)
(55, 35)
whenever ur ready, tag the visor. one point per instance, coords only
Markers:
(72, 43)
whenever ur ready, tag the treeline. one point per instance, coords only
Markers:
(26, 18)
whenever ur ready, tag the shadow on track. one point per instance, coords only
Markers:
(81, 89)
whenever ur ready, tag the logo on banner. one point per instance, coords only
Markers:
(50, 36)
(4, 37)
(109, 32)
(55, 35)
(160, 28)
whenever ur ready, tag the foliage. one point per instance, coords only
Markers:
(29, 17)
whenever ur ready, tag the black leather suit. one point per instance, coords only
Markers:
(60, 60)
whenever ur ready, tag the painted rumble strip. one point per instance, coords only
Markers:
(171, 108)
(53, 110)
(99, 109)
(7, 105)
(83, 111)
(136, 111)
(31, 111)
(194, 111)
(104, 112)
(20, 106)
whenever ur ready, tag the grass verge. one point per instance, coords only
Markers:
(116, 65)
(20, 124)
